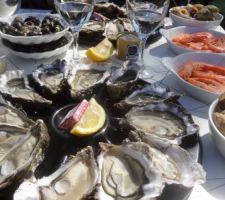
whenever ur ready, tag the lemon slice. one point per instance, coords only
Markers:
(101, 52)
(92, 120)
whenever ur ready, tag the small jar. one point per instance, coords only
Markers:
(128, 46)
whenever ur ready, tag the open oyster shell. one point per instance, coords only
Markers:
(76, 178)
(164, 120)
(50, 80)
(174, 163)
(117, 26)
(127, 172)
(148, 94)
(21, 151)
(14, 118)
(84, 82)
(123, 81)
(14, 87)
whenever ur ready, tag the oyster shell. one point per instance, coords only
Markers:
(164, 120)
(84, 82)
(21, 151)
(14, 118)
(50, 79)
(117, 26)
(174, 163)
(123, 81)
(148, 94)
(109, 10)
(127, 172)
(14, 87)
(75, 178)
(92, 32)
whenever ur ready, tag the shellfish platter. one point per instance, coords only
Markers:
(148, 147)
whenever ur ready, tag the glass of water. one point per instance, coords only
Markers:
(76, 13)
(146, 16)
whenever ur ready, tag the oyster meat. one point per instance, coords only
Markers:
(76, 177)
(127, 172)
(174, 163)
(21, 151)
(14, 87)
(164, 120)
(84, 82)
(92, 32)
(12, 117)
(117, 26)
(50, 79)
(148, 94)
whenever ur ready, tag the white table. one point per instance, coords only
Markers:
(213, 162)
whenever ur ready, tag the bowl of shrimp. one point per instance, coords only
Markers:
(185, 39)
(202, 75)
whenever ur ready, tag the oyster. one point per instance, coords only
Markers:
(14, 118)
(117, 26)
(148, 94)
(174, 163)
(84, 82)
(92, 32)
(14, 87)
(109, 10)
(164, 120)
(75, 178)
(123, 81)
(127, 172)
(50, 79)
(21, 151)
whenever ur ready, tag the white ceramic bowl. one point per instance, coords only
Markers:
(34, 39)
(174, 64)
(218, 137)
(181, 21)
(170, 33)
(42, 55)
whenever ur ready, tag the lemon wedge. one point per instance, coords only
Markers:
(101, 52)
(92, 120)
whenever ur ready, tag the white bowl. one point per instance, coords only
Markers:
(181, 21)
(174, 64)
(218, 137)
(170, 33)
(34, 39)
(42, 55)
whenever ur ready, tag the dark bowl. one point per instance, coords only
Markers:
(58, 116)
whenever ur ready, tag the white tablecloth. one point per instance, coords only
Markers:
(213, 162)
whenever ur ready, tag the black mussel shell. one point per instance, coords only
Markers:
(31, 20)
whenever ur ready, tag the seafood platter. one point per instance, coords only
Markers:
(196, 15)
(146, 147)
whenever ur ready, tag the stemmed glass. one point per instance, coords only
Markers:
(146, 16)
(76, 13)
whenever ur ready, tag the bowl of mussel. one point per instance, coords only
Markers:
(196, 15)
(217, 123)
(32, 28)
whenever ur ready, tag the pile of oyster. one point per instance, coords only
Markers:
(108, 20)
(142, 152)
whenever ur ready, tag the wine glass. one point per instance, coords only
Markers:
(146, 16)
(76, 13)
